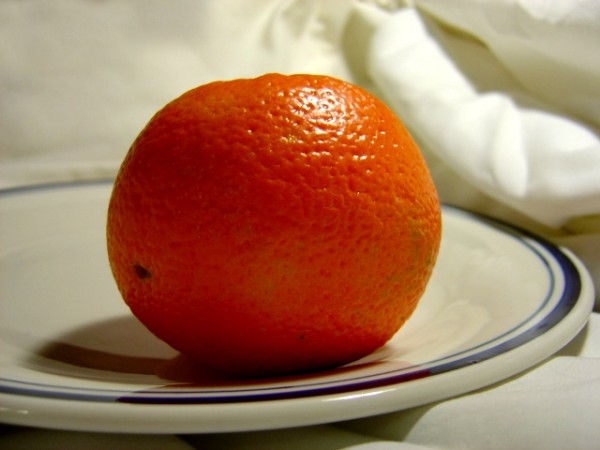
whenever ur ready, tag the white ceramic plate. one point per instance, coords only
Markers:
(73, 357)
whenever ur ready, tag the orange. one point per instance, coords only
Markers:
(273, 225)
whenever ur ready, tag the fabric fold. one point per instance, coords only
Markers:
(482, 124)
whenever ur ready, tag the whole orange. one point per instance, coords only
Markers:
(273, 225)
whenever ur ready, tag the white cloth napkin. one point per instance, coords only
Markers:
(492, 106)
(503, 97)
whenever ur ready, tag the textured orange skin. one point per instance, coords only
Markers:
(273, 225)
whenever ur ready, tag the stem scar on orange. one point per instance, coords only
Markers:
(273, 225)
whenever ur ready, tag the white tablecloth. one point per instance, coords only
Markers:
(503, 97)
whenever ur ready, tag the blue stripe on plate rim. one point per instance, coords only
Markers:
(550, 256)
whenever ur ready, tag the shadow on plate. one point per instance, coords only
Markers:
(122, 350)
(109, 350)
